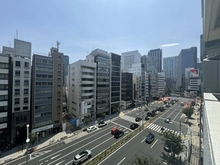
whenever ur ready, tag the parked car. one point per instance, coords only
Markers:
(91, 128)
(134, 126)
(82, 156)
(149, 114)
(114, 130)
(157, 112)
(147, 118)
(102, 123)
(118, 134)
(167, 120)
(149, 138)
(138, 119)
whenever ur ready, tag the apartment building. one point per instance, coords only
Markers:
(21, 55)
(161, 82)
(127, 90)
(82, 90)
(6, 75)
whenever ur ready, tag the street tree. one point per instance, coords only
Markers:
(174, 142)
(86, 121)
(188, 111)
(33, 138)
(144, 160)
(103, 115)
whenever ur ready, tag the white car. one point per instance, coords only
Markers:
(91, 128)
(102, 124)
(82, 156)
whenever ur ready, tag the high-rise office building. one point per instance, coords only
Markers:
(21, 56)
(127, 90)
(144, 61)
(186, 59)
(103, 77)
(154, 61)
(170, 67)
(115, 71)
(161, 83)
(65, 69)
(6, 88)
(82, 90)
(129, 58)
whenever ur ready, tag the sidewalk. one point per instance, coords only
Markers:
(192, 137)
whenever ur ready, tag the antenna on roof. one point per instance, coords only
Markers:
(58, 44)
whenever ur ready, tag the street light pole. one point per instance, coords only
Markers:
(27, 141)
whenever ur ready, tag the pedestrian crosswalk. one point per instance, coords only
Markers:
(157, 128)
(37, 154)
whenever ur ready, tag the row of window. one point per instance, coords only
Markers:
(3, 86)
(21, 118)
(3, 76)
(18, 73)
(49, 106)
(18, 82)
(44, 61)
(44, 83)
(17, 91)
(3, 119)
(17, 101)
(4, 65)
(3, 97)
(44, 76)
(3, 109)
(19, 108)
(18, 64)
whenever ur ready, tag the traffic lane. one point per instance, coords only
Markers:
(169, 111)
(136, 147)
(123, 123)
(99, 144)
(74, 143)
(98, 148)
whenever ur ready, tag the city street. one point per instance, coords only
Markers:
(138, 147)
(100, 139)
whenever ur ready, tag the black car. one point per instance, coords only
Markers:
(149, 138)
(147, 118)
(118, 134)
(134, 126)
(138, 119)
(153, 114)
(149, 114)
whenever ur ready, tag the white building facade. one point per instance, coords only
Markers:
(129, 58)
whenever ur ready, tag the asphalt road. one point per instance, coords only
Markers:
(137, 145)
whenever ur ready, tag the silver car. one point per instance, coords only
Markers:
(91, 128)
(82, 156)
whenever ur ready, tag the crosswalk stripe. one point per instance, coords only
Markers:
(151, 126)
(159, 128)
(155, 128)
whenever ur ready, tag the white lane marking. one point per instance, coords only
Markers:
(55, 156)
(77, 149)
(89, 137)
(154, 143)
(119, 125)
(60, 162)
(171, 113)
(176, 115)
(101, 143)
(143, 140)
(121, 161)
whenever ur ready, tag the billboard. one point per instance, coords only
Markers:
(194, 73)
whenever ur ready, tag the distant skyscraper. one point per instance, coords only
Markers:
(202, 47)
(154, 61)
(129, 58)
(170, 67)
(187, 59)
(144, 61)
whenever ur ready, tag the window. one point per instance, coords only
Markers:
(3, 108)
(26, 73)
(4, 65)
(3, 97)
(17, 64)
(17, 73)
(26, 65)
(17, 92)
(17, 109)
(17, 101)
(26, 91)
(25, 108)
(3, 119)
(25, 100)
(26, 82)
(17, 82)
(3, 86)
(3, 76)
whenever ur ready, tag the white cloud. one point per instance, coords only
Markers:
(169, 45)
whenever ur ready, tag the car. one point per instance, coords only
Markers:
(149, 114)
(157, 112)
(91, 128)
(134, 126)
(152, 114)
(114, 130)
(147, 118)
(118, 134)
(138, 119)
(182, 103)
(149, 138)
(167, 147)
(102, 124)
(82, 156)
(146, 110)
(167, 120)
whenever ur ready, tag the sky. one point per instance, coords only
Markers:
(112, 25)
